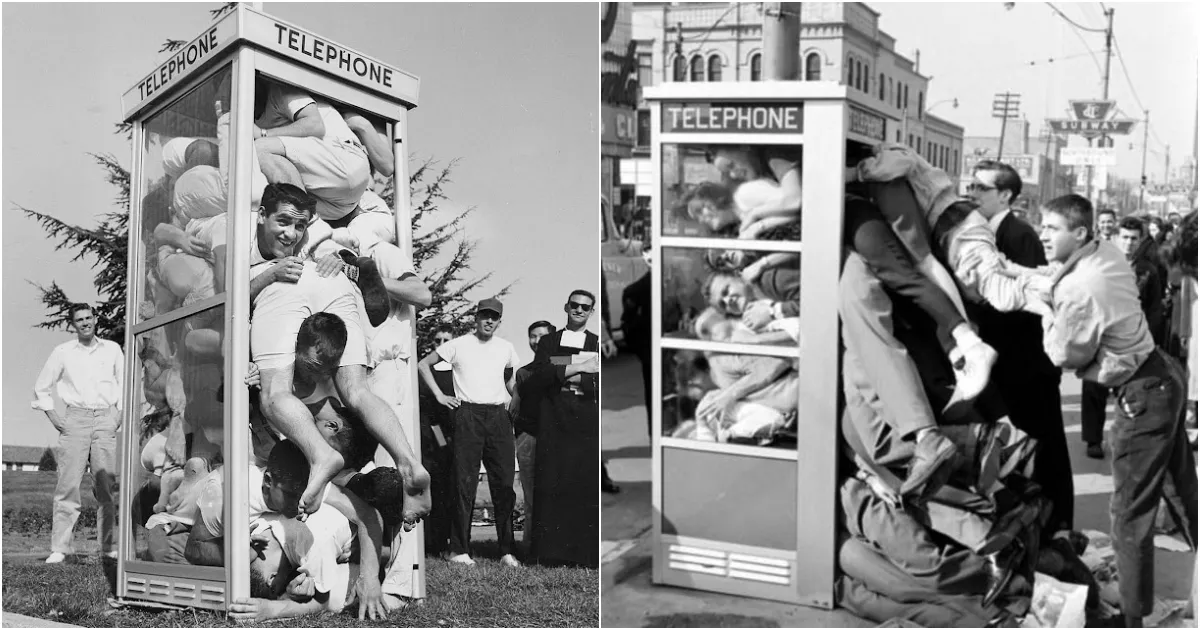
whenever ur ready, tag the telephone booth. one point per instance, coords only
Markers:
(746, 414)
(195, 189)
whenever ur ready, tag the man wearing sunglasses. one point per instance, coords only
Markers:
(1026, 379)
(565, 376)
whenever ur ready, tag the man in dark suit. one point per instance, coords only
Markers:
(565, 375)
(1024, 376)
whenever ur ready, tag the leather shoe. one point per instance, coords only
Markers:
(928, 469)
(1000, 567)
(1095, 450)
(375, 295)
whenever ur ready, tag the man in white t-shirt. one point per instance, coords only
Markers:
(302, 140)
(286, 291)
(482, 427)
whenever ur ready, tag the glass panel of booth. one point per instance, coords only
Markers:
(180, 432)
(185, 162)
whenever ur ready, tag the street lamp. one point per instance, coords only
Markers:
(929, 110)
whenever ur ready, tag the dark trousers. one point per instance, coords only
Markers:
(1149, 449)
(868, 234)
(647, 366)
(483, 433)
(439, 463)
(1035, 407)
(1092, 415)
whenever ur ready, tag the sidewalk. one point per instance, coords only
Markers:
(629, 599)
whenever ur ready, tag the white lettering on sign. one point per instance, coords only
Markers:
(332, 55)
(184, 58)
(732, 118)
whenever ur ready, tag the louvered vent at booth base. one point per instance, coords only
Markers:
(727, 564)
(175, 591)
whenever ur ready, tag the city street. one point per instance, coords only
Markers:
(630, 600)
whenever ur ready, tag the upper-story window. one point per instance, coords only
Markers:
(849, 71)
(756, 67)
(679, 71)
(899, 95)
(905, 96)
(862, 77)
(812, 67)
(645, 69)
(714, 68)
(921, 104)
(882, 87)
(697, 68)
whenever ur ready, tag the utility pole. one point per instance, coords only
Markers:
(1167, 168)
(1145, 143)
(1004, 106)
(781, 40)
(1108, 36)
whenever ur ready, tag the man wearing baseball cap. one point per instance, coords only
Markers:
(482, 428)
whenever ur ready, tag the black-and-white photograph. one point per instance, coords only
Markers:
(904, 297)
(301, 315)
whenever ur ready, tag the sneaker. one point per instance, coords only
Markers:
(930, 456)
(1095, 450)
(462, 558)
(56, 558)
(509, 561)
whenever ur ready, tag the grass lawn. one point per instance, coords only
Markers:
(486, 595)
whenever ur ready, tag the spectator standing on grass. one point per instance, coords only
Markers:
(524, 413)
(437, 449)
(482, 428)
(87, 375)
(566, 376)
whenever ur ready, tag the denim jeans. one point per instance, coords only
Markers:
(1149, 448)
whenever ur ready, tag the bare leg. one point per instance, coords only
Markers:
(383, 425)
(292, 418)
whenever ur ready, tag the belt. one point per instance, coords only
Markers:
(485, 405)
(91, 410)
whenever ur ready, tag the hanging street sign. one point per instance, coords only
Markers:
(1091, 128)
(1087, 156)
(1092, 110)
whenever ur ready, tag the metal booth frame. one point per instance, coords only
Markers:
(725, 516)
(246, 41)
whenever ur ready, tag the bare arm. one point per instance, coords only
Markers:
(370, 533)
(379, 150)
(409, 291)
(425, 368)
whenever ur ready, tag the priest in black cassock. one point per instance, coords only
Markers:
(565, 376)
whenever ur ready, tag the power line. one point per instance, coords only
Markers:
(1086, 45)
(1074, 23)
(1125, 71)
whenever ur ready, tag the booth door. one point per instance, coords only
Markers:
(728, 371)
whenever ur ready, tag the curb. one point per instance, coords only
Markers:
(13, 620)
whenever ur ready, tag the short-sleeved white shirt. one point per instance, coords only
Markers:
(479, 368)
(282, 307)
(324, 556)
(284, 102)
